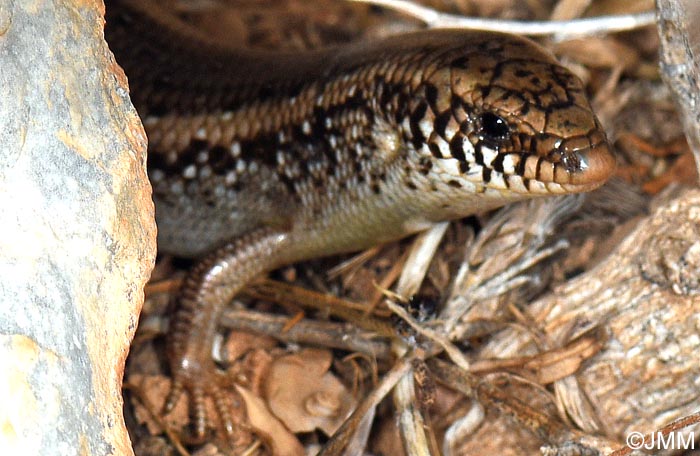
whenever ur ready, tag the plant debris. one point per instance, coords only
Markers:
(559, 324)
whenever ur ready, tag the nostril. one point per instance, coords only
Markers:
(587, 161)
(573, 162)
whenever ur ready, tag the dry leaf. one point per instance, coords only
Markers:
(281, 441)
(304, 395)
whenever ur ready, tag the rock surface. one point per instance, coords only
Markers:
(78, 233)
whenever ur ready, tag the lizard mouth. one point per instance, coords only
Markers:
(567, 165)
(584, 162)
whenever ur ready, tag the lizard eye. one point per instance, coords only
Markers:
(493, 127)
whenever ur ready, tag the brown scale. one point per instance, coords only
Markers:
(262, 159)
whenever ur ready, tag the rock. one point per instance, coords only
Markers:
(78, 233)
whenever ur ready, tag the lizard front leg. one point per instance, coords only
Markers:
(210, 285)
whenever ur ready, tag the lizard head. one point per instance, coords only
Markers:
(501, 114)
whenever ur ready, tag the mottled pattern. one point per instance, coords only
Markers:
(240, 140)
(311, 154)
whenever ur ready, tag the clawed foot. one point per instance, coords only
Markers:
(200, 381)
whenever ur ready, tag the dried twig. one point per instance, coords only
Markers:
(577, 27)
(340, 439)
(411, 422)
(344, 336)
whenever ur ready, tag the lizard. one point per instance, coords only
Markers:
(262, 159)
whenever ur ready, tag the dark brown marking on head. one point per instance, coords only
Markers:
(431, 95)
(416, 116)
(435, 150)
(486, 174)
(520, 169)
(456, 103)
(456, 147)
(441, 122)
(497, 163)
(525, 108)
(522, 73)
(461, 62)
(478, 156)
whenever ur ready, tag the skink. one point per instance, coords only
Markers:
(258, 159)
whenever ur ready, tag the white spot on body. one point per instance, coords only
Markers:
(426, 126)
(451, 129)
(231, 178)
(489, 156)
(306, 127)
(444, 147)
(190, 172)
(510, 161)
(406, 124)
(359, 150)
(240, 166)
(200, 134)
(236, 149)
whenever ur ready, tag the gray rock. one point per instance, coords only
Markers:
(77, 231)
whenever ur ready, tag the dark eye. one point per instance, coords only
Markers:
(493, 127)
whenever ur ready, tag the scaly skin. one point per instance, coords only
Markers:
(260, 159)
